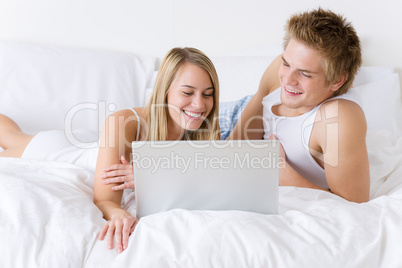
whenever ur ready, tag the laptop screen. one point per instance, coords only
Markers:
(206, 175)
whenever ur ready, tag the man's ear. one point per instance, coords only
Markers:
(339, 82)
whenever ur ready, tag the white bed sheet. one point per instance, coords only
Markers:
(48, 220)
(47, 216)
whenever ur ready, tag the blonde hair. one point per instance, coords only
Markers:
(157, 107)
(334, 38)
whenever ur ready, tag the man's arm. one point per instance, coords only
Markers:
(338, 143)
(250, 124)
(288, 176)
(345, 156)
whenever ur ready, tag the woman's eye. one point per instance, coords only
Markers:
(187, 93)
(208, 95)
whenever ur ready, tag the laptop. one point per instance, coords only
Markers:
(206, 175)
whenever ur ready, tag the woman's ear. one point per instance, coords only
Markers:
(339, 82)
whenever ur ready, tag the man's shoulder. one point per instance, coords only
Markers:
(343, 111)
(338, 121)
(334, 108)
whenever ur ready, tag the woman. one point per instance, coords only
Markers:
(183, 105)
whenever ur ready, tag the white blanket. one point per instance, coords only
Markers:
(47, 216)
(48, 220)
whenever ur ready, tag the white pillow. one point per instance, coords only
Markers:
(272, 50)
(240, 76)
(45, 87)
(381, 103)
(369, 74)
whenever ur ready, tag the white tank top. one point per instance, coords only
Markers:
(294, 134)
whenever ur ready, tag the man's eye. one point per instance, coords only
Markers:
(306, 75)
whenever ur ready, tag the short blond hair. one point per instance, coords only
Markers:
(334, 38)
(158, 107)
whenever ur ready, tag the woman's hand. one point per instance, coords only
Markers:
(120, 173)
(121, 227)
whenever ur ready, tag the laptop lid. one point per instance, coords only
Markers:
(206, 175)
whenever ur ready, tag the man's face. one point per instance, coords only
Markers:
(302, 77)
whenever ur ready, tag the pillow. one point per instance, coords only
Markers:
(264, 50)
(240, 76)
(369, 74)
(381, 103)
(49, 87)
(229, 114)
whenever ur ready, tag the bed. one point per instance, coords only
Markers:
(48, 219)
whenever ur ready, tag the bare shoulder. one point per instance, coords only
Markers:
(125, 120)
(128, 116)
(126, 113)
(342, 109)
(348, 114)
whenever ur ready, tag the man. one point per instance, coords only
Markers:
(322, 136)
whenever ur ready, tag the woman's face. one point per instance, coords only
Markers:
(190, 98)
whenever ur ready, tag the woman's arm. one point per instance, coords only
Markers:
(119, 173)
(118, 132)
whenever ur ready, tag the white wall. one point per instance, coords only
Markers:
(215, 26)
